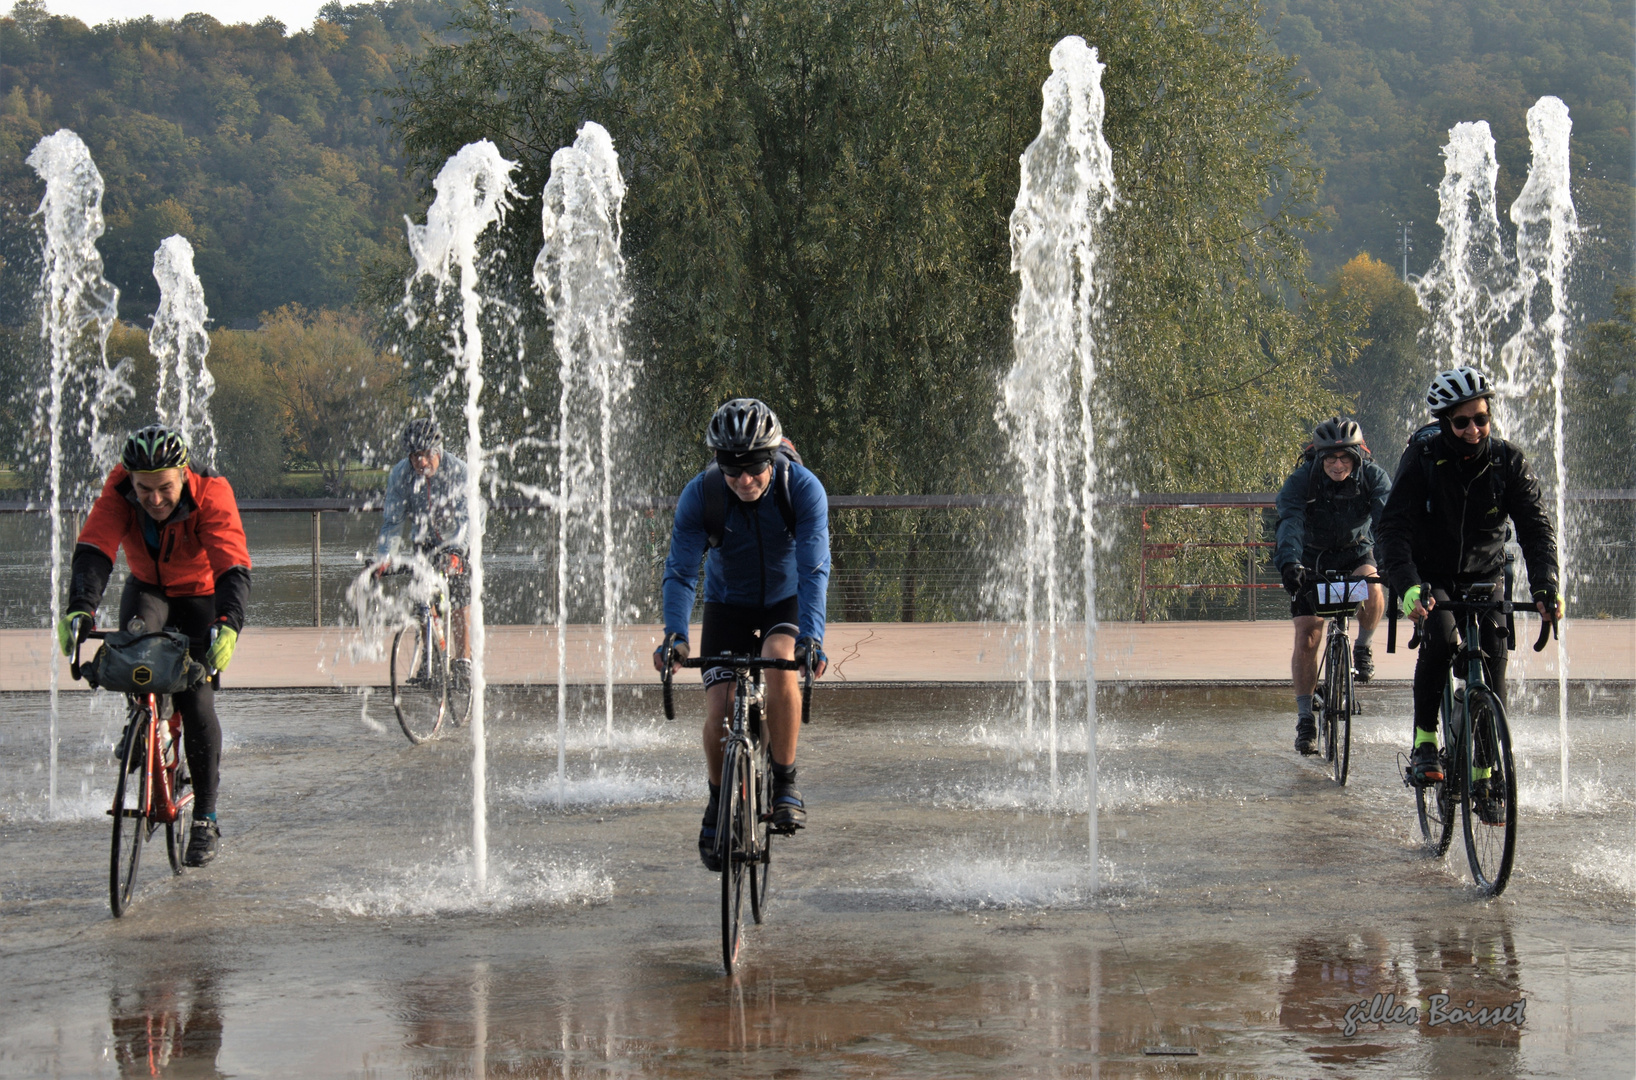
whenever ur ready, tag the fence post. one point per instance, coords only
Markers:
(1249, 560)
(317, 574)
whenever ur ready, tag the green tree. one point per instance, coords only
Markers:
(249, 435)
(1385, 384)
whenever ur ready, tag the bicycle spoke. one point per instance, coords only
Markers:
(1489, 801)
(419, 689)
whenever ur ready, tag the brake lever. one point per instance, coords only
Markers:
(1547, 628)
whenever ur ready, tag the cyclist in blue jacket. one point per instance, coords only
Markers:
(760, 520)
(1328, 511)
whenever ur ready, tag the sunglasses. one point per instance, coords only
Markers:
(1460, 423)
(736, 471)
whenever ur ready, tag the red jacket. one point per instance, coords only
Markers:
(201, 542)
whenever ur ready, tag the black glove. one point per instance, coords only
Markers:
(678, 651)
(1549, 597)
(1295, 576)
(809, 652)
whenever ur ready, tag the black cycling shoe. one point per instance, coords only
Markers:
(202, 843)
(1490, 807)
(707, 839)
(1306, 735)
(789, 812)
(1363, 662)
(1424, 765)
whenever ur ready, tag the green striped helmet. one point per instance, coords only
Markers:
(153, 448)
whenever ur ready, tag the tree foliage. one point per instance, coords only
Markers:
(1390, 79)
(1385, 384)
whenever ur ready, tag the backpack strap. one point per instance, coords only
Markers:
(715, 498)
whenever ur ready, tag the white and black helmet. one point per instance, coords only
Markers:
(744, 426)
(1452, 388)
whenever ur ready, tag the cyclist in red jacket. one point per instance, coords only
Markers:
(189, 569)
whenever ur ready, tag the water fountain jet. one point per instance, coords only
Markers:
(180, 343)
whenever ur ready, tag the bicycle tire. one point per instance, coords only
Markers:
(129, 814)
(1434, 804)
(419, 683)
(760, 818)
(180, 831)
(731, 840)
(1341, 712)
(1326, 689)
(1490, 846)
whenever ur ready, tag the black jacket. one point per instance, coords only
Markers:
(1445, 522)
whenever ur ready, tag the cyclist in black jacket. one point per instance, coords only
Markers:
(1445, 528)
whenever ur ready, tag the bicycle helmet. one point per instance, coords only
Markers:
(153, 448)
(744, 430)
(422, 435)
(1453, 388)
(1339, 434)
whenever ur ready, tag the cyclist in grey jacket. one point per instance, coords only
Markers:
(426, 492)
(1328, 510)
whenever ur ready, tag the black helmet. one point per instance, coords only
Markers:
(153, 448)
(1339, 434)
(1454, 388)
(422, 435)
(744, 428)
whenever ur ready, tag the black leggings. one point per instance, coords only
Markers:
(201, 731)
(1431, 669)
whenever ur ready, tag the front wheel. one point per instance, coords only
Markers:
(420, 668)
(730, 837)
(759, 820)
(1488, 805)
(1338, 710)
(130, 813)
(180, 831)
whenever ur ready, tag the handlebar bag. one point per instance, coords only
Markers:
(147, 663)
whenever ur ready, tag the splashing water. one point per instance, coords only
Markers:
(473, 190)
(1475, 291)
(1547, 228)
(1067, 188)
(77, 310)
(180, 344)
(580, 274)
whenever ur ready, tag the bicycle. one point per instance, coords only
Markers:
(744, 813)
(1336, 597)
(425, 690)
(154, 787)
(1475, 758)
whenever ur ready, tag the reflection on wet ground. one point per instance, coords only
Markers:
(931, 922)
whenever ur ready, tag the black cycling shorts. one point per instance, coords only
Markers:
(1342, 561)
(740, 629)
(452, 563)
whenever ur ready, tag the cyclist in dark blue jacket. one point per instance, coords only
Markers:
(1328, 511)
(760, 520)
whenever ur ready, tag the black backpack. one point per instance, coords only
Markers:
(715, 493)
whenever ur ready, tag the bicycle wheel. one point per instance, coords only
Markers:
(1435, 806)
(730, 835)
(1321, 702)
(1488, 806)
(760, 823)
(1339, 708)
(180, 831)
(419, 682)
(130, 814)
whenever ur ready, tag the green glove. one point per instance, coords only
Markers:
(1410, 599)
(65, 629)
(221, 650)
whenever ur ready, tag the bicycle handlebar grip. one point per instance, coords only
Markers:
(1547, 627)
(670, 702)
(806, 697)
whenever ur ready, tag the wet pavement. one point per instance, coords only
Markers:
(933, 920)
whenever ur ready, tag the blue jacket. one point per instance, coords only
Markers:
(1315, 514)
(758, 563)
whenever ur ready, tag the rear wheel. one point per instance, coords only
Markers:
(760, 820)
(1435, 805)
(1488, 805)
(420, 670)
(180, 831)
(131, 827)
(730, 835)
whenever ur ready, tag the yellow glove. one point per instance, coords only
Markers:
(65, 629)
(221, 650)
(1410, 598)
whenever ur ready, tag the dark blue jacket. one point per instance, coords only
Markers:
(1316, 514)
(758, 563)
